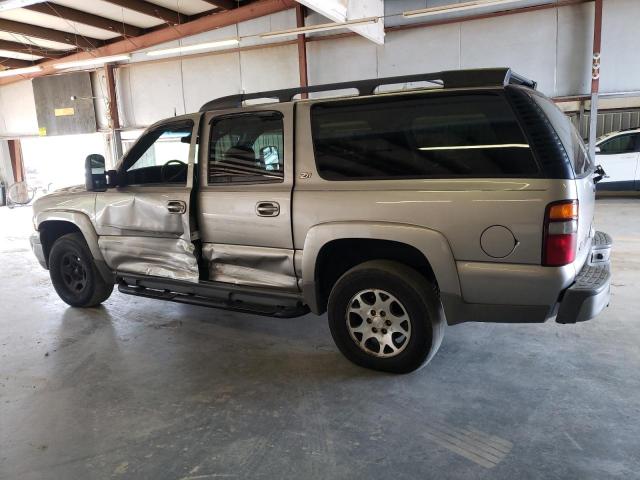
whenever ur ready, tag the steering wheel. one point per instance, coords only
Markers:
(163, 170)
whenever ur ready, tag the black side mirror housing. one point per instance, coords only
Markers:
(113, 180)
(95, 176)
(598, 174)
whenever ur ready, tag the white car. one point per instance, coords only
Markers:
(619, 155)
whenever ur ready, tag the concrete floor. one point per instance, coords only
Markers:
(147, 389)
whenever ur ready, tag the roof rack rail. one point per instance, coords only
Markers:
(448, 79)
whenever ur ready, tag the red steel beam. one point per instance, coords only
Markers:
(597, 44)
(595, 78)
(168, 34)
(302, 51)
(114, 117)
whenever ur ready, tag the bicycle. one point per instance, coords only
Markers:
(20, 194)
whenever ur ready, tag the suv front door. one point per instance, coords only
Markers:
(246, 171)
(619, 157)
(144, 224)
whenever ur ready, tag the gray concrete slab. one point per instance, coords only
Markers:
(146, 389)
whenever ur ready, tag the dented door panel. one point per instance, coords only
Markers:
(253, 266)
(145, 229)
(160, 257)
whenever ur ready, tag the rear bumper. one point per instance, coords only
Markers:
(533, 293)
(591, 291)
(36, 246)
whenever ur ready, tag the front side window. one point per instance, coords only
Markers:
(620, 144)
(432, 136)
(160, 156)
(247, 148)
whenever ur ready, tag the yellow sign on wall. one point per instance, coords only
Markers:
(63, 112)
(42, 131)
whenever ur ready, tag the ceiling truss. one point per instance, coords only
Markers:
(27, 37)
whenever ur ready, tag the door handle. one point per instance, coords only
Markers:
(176, 206)
(267, 209)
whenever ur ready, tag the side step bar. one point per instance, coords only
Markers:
(259, 301)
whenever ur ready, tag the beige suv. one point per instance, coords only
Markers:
(396, 212)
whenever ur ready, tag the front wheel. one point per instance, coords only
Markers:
(74, 274)
(385, 316)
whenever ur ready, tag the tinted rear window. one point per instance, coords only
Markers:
(434, 136)
(569, 136)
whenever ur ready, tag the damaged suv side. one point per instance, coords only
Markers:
(396, 213)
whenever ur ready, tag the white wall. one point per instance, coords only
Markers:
(6, 170)
(620, 63)
(18, 110)
(552, 46)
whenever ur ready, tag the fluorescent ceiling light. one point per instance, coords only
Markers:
(194, 48)
(19, 71)
(456, 7)
(475, 147)
(91, 61)
(320, 28)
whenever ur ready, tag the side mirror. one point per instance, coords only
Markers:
(599, 174)
(95, 176)
(597, 150)
(113, 179)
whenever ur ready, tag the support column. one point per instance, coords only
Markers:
(114, 118)
(595, 78)
(302, 50)
(17, 165)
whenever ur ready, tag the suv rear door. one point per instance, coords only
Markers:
(246, 172)
(144, 223)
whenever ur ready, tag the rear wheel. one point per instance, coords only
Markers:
(74, 274)
(385, 316)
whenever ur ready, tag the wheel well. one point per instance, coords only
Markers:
(338, 256)
(51, 230)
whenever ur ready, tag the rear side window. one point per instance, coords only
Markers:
(438, 136)
(247, 148)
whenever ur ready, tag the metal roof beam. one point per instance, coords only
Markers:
(14, 63)
(71, 14)
(141, 6)
(29, 49)
(49, 34)
(223, 4)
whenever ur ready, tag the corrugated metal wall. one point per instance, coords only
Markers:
(608, 122)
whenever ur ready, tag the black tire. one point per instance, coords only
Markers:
(413, 292)
(74, 274)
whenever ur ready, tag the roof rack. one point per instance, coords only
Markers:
(448, 79)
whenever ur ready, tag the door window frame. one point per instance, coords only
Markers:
(194, 120)
(286, 110)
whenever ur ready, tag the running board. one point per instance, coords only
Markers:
(259, 301)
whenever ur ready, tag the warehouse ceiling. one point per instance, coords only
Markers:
(35, 31)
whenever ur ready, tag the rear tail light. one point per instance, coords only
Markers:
(560, 233)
